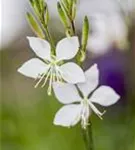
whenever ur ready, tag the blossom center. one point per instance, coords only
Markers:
(53, 74)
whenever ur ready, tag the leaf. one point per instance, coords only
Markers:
(71, 2)
(42, 5)
(36, 7)
(65, 3)
(81, 55)
(62, 15)
(34, 25)
(46, 15)
(37, 3)
(31, 2)
(73, 11)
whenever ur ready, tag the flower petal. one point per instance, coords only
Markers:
(68, 115)
(104, 96)
(67, 48)
(66, 93)
(33, 68)
(92, 79)
(40, 47)
(72, 73)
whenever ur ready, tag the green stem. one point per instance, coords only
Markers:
(49, 38)
(87, 136)
(73, 27)
(87, 133)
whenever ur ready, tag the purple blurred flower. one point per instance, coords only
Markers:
(112, 70)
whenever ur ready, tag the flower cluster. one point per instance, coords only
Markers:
(77, 89)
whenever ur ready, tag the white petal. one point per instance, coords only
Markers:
(33, 68)
(92, 79)
(72, 73)
(66, 93)
(105, 96)
(67, 48)
(68, 115)
(40, 47)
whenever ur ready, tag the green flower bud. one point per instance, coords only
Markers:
(34, 25)
(46, 15)
(73, 11)
(62, 15)
(85, 33)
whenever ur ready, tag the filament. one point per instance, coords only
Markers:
(98, 113)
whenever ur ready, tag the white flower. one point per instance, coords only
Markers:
(79, 106)
(52, 67)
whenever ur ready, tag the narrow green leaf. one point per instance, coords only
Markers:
(70, 3)
(37, 3)
(31, 2)
(34, 25)
(46, 15)
(67, 11)
(85, 33)
(65, 3)
(70, 6)
(36, 7)
(73, 11)
(42, 5)
(36, 10)
(62, 15)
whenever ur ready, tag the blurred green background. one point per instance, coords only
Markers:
(27, 116)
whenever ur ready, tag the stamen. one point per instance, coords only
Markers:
(53, 77)
(60, 74)
(99, 114)
(57, 74)
(48, 74)
(38, 77)
(49, 91)
(40, 80)
(53, 57)
(60, 77)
